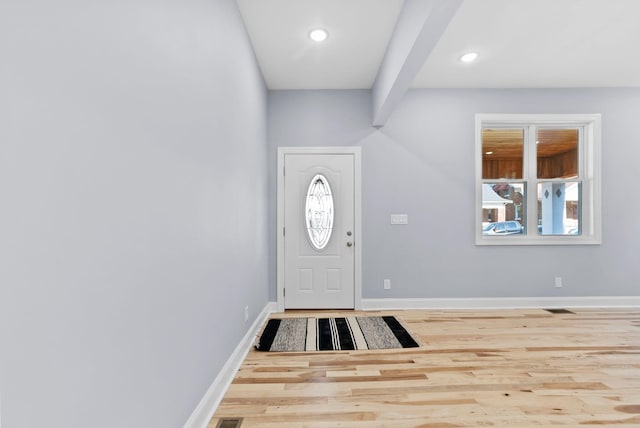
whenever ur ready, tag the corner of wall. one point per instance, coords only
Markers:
(206, 408)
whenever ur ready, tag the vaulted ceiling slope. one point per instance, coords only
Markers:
(521, 43)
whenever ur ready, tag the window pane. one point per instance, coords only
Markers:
(319, 212)
(502, 153)
(557, 153)
(503, 208)
(559, 208)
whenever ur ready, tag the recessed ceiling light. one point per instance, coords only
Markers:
(318, 35)
(469, 57)
(488, 153)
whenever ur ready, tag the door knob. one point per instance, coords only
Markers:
(349, 244)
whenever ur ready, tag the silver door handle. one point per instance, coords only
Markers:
(349, 244)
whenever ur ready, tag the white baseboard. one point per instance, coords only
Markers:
(503, 303)
(206, 408)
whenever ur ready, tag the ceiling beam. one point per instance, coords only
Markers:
(420, 25)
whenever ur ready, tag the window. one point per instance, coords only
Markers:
(538, 179)
(319, 212)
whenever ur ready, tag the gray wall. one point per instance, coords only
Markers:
(133, 212)
(422, 164)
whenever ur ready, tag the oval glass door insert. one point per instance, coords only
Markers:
(319, 212)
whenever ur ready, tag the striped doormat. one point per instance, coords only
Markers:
(334, 334)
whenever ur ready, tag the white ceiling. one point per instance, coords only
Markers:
(539, 43)
(359, 31)
(522, 43)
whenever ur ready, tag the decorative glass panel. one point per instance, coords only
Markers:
(319, 212)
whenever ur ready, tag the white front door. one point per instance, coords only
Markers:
(319, 231)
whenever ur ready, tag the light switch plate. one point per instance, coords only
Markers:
(399, 219)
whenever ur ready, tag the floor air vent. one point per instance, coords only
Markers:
(229, 423)
(559, 311)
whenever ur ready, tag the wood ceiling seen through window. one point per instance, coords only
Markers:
(508, 143)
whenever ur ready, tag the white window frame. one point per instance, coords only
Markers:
(589, 162)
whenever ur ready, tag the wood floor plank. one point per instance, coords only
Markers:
(500, 368)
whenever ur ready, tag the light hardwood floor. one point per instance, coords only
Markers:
(499, 368)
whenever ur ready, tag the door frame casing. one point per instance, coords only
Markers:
(352, 150)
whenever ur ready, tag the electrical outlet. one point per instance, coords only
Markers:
(558, 281)
(387, 284)
(246, 313)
